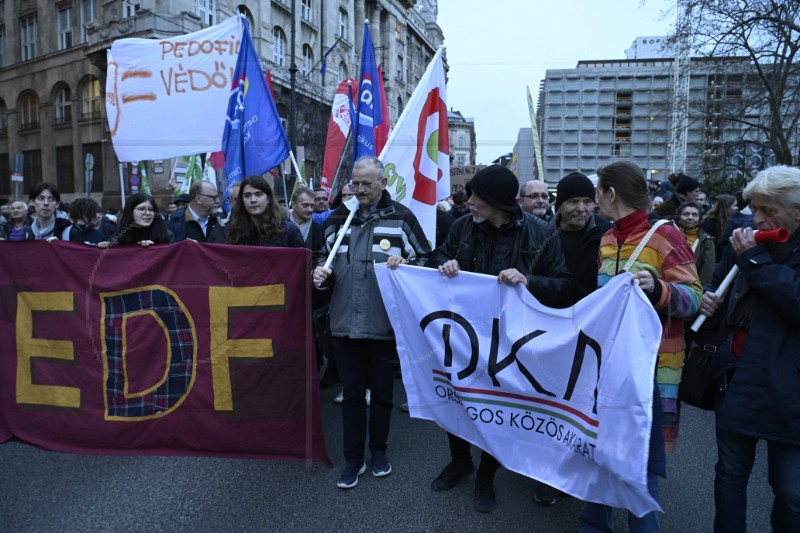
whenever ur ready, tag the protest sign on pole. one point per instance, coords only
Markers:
(167, 97)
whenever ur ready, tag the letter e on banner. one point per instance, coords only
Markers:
(30, 349)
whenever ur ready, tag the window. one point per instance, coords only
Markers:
(305, 10)
(205, 10)
(342, 72)
(342, 23)
(278, 46)
(28, 38)
(65, 169)
(65, 28)
(308, 60)
(3, 118)
(90, 100)
(128, 8)
(461, 141)
(88, 16)
(2, 47)
(28, 111)
(63, 106)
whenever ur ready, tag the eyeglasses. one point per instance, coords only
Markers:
(212, 196)
(534, 196)
(361, 186)
(145, 210)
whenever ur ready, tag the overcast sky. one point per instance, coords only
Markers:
(495, 48)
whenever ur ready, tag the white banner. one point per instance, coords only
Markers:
(416, 157)
(168, 98)
(560, 395)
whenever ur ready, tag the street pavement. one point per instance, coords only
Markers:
(46, 491)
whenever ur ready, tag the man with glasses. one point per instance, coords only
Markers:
(321, 200)
(382, 231)
(197, 220)
(534, 199)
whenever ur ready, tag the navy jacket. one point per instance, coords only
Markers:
(763, 395)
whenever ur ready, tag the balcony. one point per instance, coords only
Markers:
(29, 126)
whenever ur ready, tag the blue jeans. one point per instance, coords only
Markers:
(596, 517)
(736, 454)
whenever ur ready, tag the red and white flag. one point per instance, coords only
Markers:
(416, 157)
(339, 127)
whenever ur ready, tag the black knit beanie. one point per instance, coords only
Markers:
(574, 185)
(687, 184)
(497, 186)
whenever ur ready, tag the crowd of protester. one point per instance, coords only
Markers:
(676, 241)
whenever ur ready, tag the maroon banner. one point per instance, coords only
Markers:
(183, 349)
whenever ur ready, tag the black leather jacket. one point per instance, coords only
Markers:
(527, 243)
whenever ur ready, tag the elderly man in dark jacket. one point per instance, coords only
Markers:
(502, 240)
(382, 231)
(759, 360)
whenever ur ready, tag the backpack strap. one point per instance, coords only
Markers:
(635, 255)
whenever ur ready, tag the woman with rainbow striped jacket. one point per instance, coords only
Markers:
(665, 270)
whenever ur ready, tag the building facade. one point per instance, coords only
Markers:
(602, 111)
(53, 68)
(461, 135)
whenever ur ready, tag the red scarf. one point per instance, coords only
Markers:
(627, 224)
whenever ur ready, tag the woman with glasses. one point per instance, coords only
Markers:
(141, 223)
(257, 219)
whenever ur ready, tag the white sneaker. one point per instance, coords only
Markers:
(340, 397)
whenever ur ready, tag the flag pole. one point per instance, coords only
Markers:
(339, 166)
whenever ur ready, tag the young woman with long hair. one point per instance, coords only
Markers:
(257, 218)
(141, 223)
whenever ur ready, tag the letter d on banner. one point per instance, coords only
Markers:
(180, 358)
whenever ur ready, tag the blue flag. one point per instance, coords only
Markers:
(323, 67)
(369, 105)
(254, 140)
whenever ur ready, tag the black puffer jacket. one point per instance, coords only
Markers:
(527, 243)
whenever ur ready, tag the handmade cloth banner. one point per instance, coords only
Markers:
(416, 157)
(167, 97)
(560, 395)
(185, 349)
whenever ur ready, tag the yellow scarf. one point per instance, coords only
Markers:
(692, 234)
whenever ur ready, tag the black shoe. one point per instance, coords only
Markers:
(544, 494)
(329, 378)
(452, 475)
(483, 497)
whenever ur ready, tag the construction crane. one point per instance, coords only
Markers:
(681, 72)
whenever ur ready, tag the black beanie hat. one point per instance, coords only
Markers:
(574, 185)
(497, 186)
(687, 184)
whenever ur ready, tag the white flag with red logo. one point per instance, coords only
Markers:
(339, 127)
(416, 157)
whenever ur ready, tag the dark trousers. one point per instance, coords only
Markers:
(737, 452)
(365, 364)
(459, 452)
